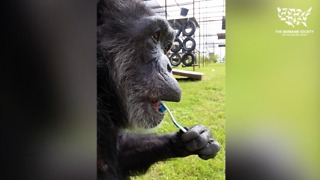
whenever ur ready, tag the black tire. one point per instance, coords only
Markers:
(185, 44)
(185, 27)
(186, 60)
(177, 48)
(177, 28)
(175, 59)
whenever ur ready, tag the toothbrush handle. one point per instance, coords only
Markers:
(174, 120)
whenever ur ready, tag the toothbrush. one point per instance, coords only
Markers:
(163, 108)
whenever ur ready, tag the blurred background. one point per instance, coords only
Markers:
(272, 85)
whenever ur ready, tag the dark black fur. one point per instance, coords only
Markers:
(132, 70)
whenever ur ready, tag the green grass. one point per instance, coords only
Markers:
(203, 102)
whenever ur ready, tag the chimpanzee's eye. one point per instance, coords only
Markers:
(168, 47)
(156, 36)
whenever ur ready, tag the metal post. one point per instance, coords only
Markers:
(199, 36)
(166, 9)
(195, 63)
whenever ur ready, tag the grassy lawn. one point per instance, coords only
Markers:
(203, 102)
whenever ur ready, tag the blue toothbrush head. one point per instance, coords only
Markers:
(162, 108)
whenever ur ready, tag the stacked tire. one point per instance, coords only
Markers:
(183, 46)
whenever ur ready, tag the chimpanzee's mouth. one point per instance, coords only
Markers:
(156, 105)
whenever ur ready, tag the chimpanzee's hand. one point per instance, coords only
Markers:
(198, 139)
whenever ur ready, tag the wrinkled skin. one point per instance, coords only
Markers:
(133, 76)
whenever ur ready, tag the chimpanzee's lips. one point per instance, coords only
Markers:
(156, 105)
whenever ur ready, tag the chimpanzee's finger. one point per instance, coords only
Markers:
(193, 133)
(210, 151)
(196, 144)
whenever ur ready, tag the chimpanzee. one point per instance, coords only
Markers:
(133, 76)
